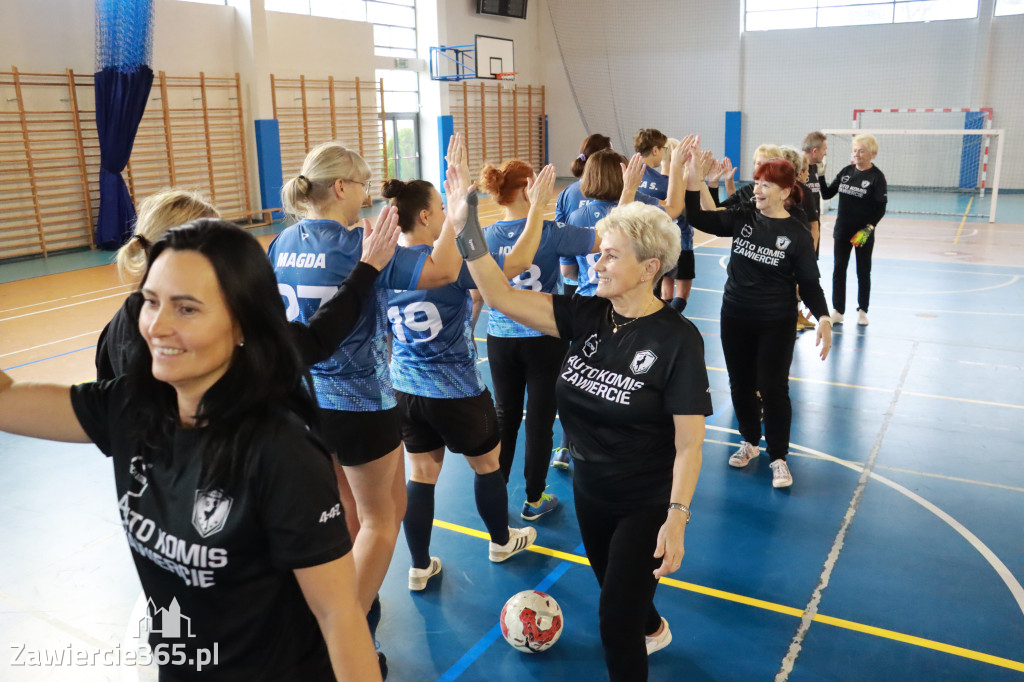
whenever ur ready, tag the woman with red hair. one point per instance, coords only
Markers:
(523, 360)
(772, 253)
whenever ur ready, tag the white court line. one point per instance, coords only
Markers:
(60, 307)
(1013, 280)
(67, 298)
(43, 345)
(1011, 582)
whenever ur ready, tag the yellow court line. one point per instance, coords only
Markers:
(777, 608)
(962, 221)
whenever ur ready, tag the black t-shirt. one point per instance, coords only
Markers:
(808, 204)
(218, 564)
(116, 342)
(812, 179)
(617, 393)
(862, 199)
(769, 257)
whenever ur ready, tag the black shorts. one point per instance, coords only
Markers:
(360, 437)
(685, 266)
(467, 426)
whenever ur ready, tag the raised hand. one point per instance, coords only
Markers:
(707, 159)
(727, 170)
(541, 190)
(682, 151)
(380, 240)
(633, 173)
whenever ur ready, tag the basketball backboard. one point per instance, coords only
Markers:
(494, 56)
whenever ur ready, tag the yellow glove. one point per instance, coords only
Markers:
(862, 236)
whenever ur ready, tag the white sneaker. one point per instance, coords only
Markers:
(837, 317)
(659, 641)
(742, 457)
(781, 478)
(418, 577)
(862, 318)
(518, 540)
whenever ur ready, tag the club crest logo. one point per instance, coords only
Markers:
(210, 512)
(590, 346)
(642, 362)
(846, 178)
(746, 230)
(782, 242)
(511, 235)
(865, 183)
(139, 481)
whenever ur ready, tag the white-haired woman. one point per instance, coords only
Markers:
(862, 197)
(632, 393)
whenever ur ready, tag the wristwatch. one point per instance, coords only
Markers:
(680, 507)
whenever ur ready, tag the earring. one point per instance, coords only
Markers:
(241, 343)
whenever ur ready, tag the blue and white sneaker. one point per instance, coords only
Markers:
(560, 459)
(548, 503)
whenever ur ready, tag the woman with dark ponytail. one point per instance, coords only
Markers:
(772, 253)
(441, 395)
(571, 198)
(211, 434)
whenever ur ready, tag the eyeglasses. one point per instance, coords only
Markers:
(365, 185)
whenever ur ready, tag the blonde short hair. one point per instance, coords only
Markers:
(768, 151)
(649, 229)
(868, 141)
(158, 213)
(793, 155)
(324, 164)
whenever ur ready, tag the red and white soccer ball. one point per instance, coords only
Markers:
(531, 621)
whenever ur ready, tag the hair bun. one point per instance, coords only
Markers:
(391, 188)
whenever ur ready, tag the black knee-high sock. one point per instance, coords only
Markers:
(678, 304)
(418, 521)
(492, 504)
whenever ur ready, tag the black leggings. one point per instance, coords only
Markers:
(842, 259)
(526, 365)
(620, 547)
(758, 355)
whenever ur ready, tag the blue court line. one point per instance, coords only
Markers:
(52, 357)
(494, 633)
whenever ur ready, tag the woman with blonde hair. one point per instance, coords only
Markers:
(632, 393)
(359, 414)
(157, 214)
(863, 193)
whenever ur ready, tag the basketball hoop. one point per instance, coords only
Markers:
(508, 79)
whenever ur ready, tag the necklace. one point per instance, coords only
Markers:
(616, 326)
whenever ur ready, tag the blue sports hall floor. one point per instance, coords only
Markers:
(898, 554)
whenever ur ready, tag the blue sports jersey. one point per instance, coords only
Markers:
(569, 199)
(557, 239)
(311, 259)
(587, 216)
(654, 183)
(432, 352)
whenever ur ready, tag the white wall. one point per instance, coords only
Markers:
(537, 62)
(680, 66)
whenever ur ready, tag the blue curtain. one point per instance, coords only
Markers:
(120, 102)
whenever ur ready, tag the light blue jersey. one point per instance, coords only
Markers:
(432, 352)
(569, 199)
(557, 239)
(311, 259)
(654, 183)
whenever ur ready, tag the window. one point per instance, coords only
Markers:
(768, 15)
(1008, 7)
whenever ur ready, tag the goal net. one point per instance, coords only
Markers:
(930, 171)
